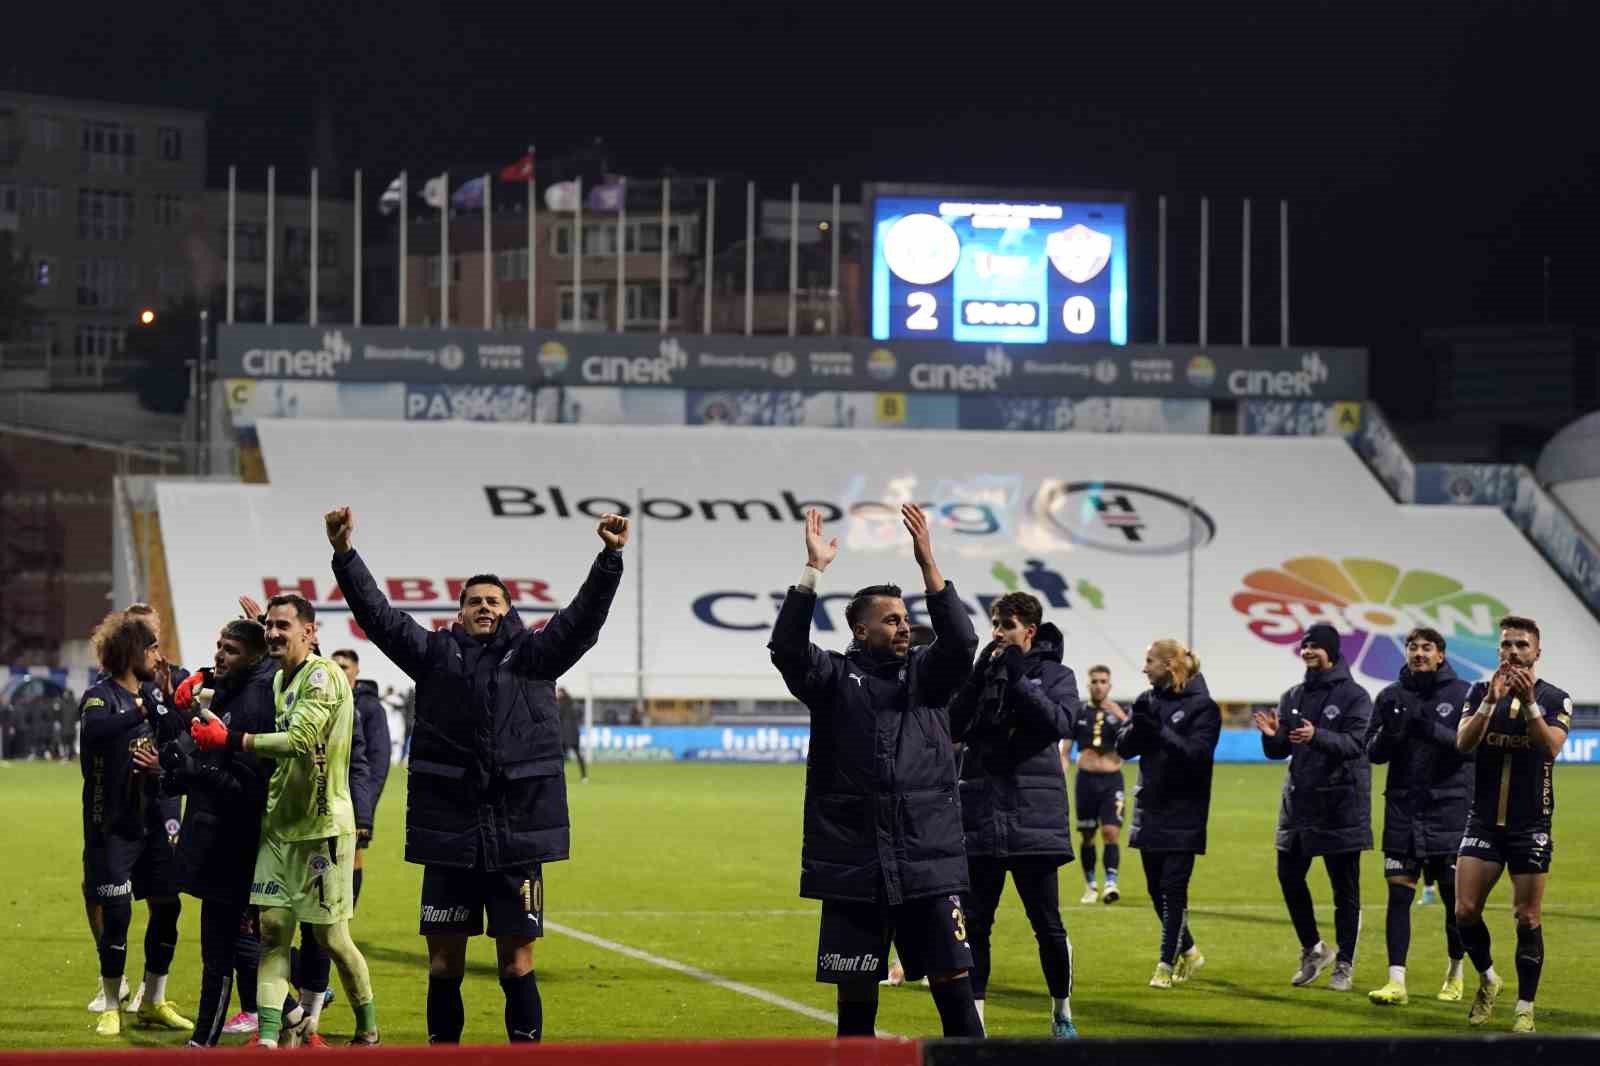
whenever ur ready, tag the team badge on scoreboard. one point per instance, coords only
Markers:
(1078, 252)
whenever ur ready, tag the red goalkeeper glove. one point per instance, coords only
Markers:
(212, 735)
(183, 698)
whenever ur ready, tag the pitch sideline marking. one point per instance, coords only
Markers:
(698, 974)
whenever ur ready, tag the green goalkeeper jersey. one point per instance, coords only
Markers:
(308, 797)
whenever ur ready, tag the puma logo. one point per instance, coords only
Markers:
(857, 679)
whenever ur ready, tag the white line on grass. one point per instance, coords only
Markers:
(793, 912)
(698, 974)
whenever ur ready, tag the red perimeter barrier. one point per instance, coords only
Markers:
(898, 1052)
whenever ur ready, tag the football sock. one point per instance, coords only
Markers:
(1087, 858)
(524, 1009)
(446, 1015)
(1397, 927)
(1530, 960)
(1475, 939)
(1113, 861)
(956, 1010)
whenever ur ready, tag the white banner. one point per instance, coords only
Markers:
(1287, 531)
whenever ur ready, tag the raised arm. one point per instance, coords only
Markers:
(947, 662)
(396, 633)
(806, 669)
(573, 630)
(314, 713)
(1274, 737)
(100, 720)
(1481, 701)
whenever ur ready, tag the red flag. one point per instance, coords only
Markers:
(521, 170)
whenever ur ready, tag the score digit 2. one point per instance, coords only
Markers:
(923, 307)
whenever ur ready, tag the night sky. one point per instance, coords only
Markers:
(1434, 153)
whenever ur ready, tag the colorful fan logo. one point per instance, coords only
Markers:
(1373, 605)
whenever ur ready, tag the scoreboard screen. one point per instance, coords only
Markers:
(994, 270)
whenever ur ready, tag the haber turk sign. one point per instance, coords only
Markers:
(1284, 533)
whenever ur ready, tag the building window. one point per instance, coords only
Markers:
(296, 245)
(430, 270)
(327, 247)
(45, 132)
(511, 264)
(562, 239)
(101, 341)
(105, 283)
(171, 139)
(42, 201)
(250, 244)
(168, 211)
(108, 147)
(43, 271)
(594, 307)
(105, 214)
(643, 306)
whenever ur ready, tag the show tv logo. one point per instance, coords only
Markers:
(1373, 605)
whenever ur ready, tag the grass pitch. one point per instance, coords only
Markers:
(699, 864)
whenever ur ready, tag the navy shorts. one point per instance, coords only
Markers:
(117, 867)
(454, 901)
(1099, 798)
(853, 944)
(1521, 851)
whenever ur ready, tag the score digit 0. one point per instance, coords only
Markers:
(1077, 314)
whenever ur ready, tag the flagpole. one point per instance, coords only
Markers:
(577, 257)
(404, 213)
(444, 250)
(1161, 270)
(488, 257)
(749, 258)
(311, 311)
(233, 210)
(356, 305)
(1205, 265)
(833, 271)
(1244, 286)
(711, 251)
(622, 257)
(666, 197)
(1283, 273)
(272, 187)
(533, 234)
(794, 253)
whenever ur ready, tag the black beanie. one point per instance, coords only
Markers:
(1323, 636)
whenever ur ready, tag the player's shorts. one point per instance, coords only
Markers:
(454, 901)
(117, 867)
(1399, 864)
(315, 879)
(930, 933)
(1523, 850)
(1098, 796)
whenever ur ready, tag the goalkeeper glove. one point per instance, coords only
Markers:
(212, 735)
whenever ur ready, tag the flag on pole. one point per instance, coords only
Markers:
(521, 170)
(609, 194)
(470, 195)
(562, 196)
(434, 192)
(389, 202)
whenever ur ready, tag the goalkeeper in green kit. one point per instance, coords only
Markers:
(306, 866)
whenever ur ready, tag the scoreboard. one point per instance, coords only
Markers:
(999, 270)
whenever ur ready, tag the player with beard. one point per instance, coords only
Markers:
(1098, 787)
(1426, 795)
(486, 798)
(304, 869)
(227, 792)
(1517, 727)
(882, 844)
(122, 859)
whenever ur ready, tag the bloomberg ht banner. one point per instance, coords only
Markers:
(695, 361)
(1285, 533)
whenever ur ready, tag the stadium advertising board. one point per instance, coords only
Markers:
(1285, 532)
(376, 354)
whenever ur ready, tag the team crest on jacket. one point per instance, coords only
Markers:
(1177, 717)
(1330, 713)
(1445, 708)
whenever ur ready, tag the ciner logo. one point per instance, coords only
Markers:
(950, 377)
(1373, 605)
(637, 370)
(300, 363)
(1313, 371)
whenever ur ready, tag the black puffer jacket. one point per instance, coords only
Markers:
(1175, 735)
(227, 792)
(485, 786)
(1429, 785)
(1013, 792)
(1327, 793)
(882, 819)
(372, 736)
